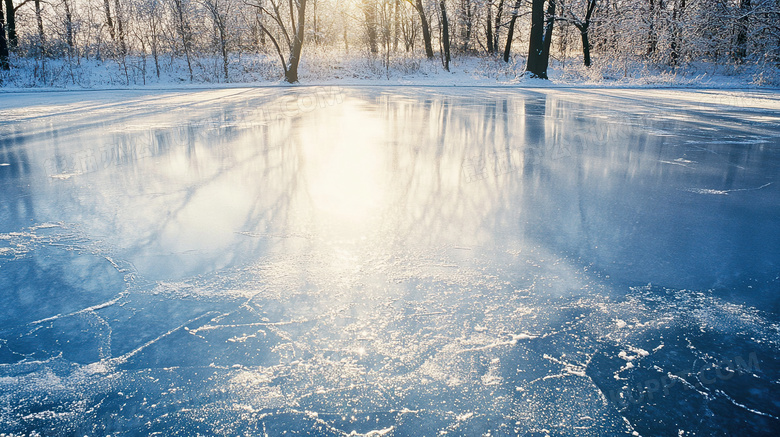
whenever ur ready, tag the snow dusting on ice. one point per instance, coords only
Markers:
(390, 262)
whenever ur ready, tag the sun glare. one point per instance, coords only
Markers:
(344, 164)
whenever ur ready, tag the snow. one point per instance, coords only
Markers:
(329, 69)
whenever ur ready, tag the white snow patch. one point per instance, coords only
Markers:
(64, 176)
(708, 191)
(724, 192)
(522, 336)
(375, 433)
(464, 416)
(241, 339)
(95, 368)
(637, 353)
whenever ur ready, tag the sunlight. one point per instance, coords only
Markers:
(344, 164)
(390, 260)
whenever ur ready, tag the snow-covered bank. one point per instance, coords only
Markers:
(329, 69)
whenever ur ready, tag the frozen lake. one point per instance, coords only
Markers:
(390, 261)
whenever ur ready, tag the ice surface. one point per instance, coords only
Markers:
(390, 261)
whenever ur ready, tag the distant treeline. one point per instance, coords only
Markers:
(668, 33)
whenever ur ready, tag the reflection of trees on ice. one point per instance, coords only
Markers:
(392, 263)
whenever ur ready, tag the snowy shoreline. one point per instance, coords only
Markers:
(535, 84)
(472, 72)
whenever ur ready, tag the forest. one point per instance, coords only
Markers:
(135, 42)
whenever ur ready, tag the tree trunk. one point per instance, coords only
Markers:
(548, 36)
(10, 15)
(445, 35)
(155, 56)
(584, 28)
(183, 33)
(497, 26)
(425, 30)
(68, 28)
(740, 51)
(4, 64)
(41, 43)
(291, 75)
(369, 11)
(120, 28)
(677, 11)
(109, 20)
(652, 37)
(223, 47)
(260, 22)
(511, 34)
(315, 33)
(489, 31)
(218, 17)
(585, 47)
(396, 24)
(39, 20)
(535, 64)
(776, 56)
(468, 16)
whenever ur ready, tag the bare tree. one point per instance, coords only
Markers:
(652, 35)
(426, 30)
(511, 33)
(183, 29)
(150, 11)
(219, 11)
(109, 20)
(498, 24)
(445, 37)
(259, 24)
(369, 12)
(120, 28)
(291, 29)
(582, 24)
(743, 22)
(10, 15)
(69, 29)
(408, 31)
(541, 36)
(216, 33)
(41, 41)
(491, 48)
(467, 15)
(548, 30)
(678, 9)
(386, 20)
(396, 24)
(4, 54)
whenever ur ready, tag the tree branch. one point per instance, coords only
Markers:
(278, 49)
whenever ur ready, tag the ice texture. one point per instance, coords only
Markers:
(390, 262)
